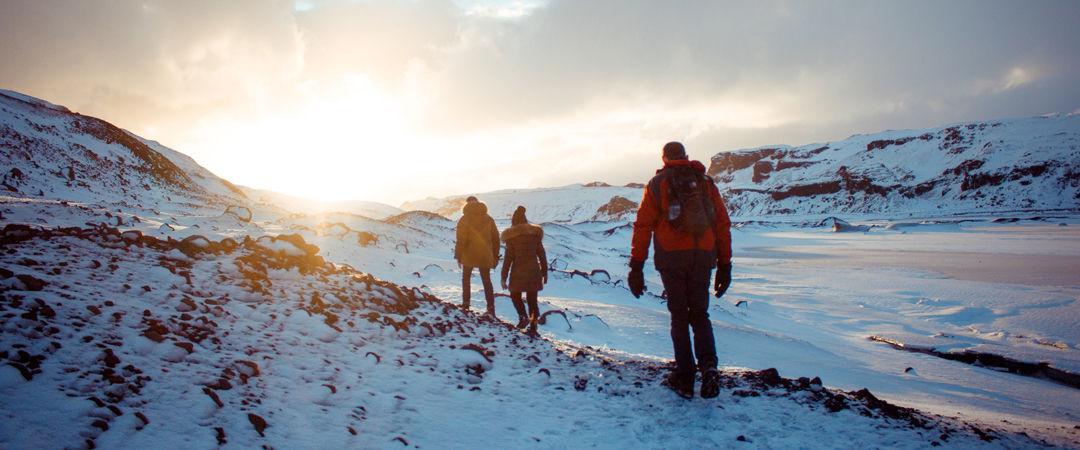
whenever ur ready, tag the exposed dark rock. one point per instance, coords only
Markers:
(1042, 369)
(213, 396)
(366, 238)
(835, 403)
(111, 360)
(733, 161)
(220, 435)
(31, 283)
(784, 164)
(186, 305)
(220, 385)
(808, 190)
(487, 354)
(154, 336)
(761, 171)
(252, 369)
(616, 207)
(258, 422)
(22, 370)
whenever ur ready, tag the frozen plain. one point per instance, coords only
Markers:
(813, 298)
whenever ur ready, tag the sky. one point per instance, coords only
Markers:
(398, 100)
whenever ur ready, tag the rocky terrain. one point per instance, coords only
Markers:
(1006, 166)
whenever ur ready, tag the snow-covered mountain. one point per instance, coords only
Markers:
(268, 198)
(56, 154)
(1004, 166)
(574, 203)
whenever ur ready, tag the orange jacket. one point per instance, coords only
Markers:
(675, 249)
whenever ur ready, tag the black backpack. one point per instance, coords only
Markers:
(690, 207)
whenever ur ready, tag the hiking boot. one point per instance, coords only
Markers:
(710, 383)
(522, 323)
(684, 389)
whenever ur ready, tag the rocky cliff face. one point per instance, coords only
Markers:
(997, 166)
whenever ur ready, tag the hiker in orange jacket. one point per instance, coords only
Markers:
(685, 262)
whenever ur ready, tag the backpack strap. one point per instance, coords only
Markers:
(654, 186)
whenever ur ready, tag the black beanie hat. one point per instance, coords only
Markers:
(519, 216)
(674, 150)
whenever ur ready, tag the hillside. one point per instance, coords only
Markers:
(56, 154)
(266, 197)
(573, 203)
(1005, 166)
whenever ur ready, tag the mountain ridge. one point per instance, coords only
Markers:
(1016, 164)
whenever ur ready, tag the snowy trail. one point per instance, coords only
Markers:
(815, 319)
(245, 347)
(804, 320)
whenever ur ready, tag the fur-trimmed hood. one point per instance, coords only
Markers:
(522, 229)
(477, 207)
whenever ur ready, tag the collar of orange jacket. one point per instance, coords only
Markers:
(684, 162)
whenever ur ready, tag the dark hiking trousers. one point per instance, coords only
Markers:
(688, 301)
(530, 296)
(466, 287)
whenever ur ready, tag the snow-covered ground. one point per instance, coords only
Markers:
(807, 311)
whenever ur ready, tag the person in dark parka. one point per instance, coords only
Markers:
(526, 265)
(477, 246)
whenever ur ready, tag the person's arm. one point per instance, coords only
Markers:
(507, 262)
(542, 255)
(722, 228)
(459, 244)
(494, 237)
(647, 216)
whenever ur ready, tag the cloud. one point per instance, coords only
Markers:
(154, 63)
(808, 61)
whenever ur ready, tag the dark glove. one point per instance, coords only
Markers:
(636, 279)
(723, 278)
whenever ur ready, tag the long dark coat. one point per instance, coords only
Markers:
(525, 261)
(477, 237)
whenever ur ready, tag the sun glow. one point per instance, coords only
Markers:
(338, 145)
